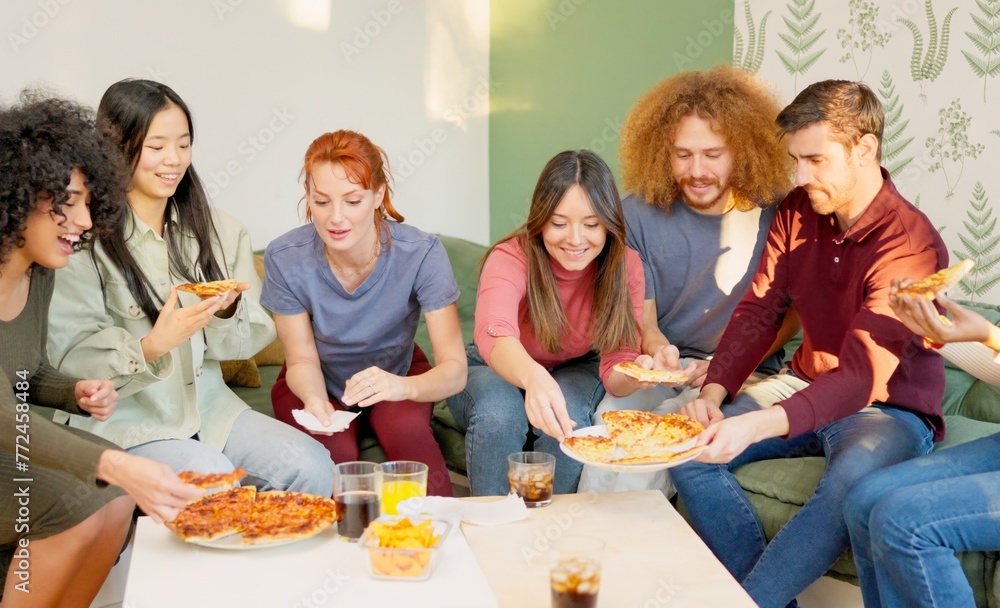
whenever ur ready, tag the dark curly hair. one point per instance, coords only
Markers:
(42, 139)
(736, 104)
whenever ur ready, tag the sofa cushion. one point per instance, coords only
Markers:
(240, 373)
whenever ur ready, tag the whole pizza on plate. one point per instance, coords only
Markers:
(262, 517)
(638, 437)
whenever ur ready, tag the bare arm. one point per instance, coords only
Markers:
(544, 402)
(303, 373)
(450, 371)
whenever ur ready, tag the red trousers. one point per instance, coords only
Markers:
(403, 428)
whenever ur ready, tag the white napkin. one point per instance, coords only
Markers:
(339, 420)
(504, 511)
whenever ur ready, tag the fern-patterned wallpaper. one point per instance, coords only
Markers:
(934, 65)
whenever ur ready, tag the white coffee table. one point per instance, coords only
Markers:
(652, 556)
(320, 571)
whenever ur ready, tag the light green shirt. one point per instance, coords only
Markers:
(95, 326)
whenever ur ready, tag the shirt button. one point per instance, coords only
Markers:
(836, 260)
(133, 310)
(133, 367)
(197, 371)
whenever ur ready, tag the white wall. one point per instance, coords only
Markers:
(872, 42)
(263, 78)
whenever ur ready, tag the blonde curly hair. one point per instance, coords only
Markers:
(740, 109)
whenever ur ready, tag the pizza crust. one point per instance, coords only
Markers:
(941, 280)
(640, 373)
(211, 288)
(212, 480)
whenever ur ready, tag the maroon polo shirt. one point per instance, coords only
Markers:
(854, 350)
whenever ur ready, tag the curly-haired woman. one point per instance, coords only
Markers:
(116, 314)
(63, 527)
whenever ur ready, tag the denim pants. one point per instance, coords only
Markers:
(491, 410)
(908, 521)
(805, 548)
(275, 455)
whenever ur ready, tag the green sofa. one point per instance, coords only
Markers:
(776, 488)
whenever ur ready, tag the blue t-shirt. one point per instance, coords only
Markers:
(374, 325)
(697, 268)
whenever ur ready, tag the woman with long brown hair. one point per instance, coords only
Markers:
(559, 304)
(347, 291)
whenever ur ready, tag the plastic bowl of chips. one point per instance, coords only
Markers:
(404, 548)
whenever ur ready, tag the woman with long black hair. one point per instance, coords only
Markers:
(117, 315)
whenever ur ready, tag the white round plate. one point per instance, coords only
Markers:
(602, 431)
(234, 542)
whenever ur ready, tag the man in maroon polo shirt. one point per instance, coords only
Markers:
(862, 390)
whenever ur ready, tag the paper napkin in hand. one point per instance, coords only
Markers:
(339, 420)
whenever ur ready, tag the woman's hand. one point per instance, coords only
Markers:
(921, 317)
(96, 397)
(176, 325)
(372, 385)
(155, 488)
(545, 405)
(322, 410)
(229, 300)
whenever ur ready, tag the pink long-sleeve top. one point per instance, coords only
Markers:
(502, 307)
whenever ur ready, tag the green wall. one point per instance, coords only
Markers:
(565, 73)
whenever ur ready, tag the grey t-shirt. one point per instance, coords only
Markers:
(697, 268)
(374, 325)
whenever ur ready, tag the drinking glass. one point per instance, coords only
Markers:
(530, 476)
(356, 494)
(575, 571)
(401, 479)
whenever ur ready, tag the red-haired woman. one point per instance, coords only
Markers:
(347, 291)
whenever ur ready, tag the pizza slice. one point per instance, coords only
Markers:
(212, 480)
(629, 426)
(673, 429)
(660, 457)
(212, 288)
(941, 280)
(640, 373)
(280, 516)
(592, 447)
(215, 515)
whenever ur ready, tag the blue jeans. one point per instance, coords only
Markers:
(491, 410)
(276, 456)
(908, 521)
(805, 548)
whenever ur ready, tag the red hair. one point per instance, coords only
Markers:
(364, 163)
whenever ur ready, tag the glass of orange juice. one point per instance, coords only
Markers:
(401, 479)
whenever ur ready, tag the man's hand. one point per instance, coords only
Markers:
(96, 397)
(728, 438)
(707, 408)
